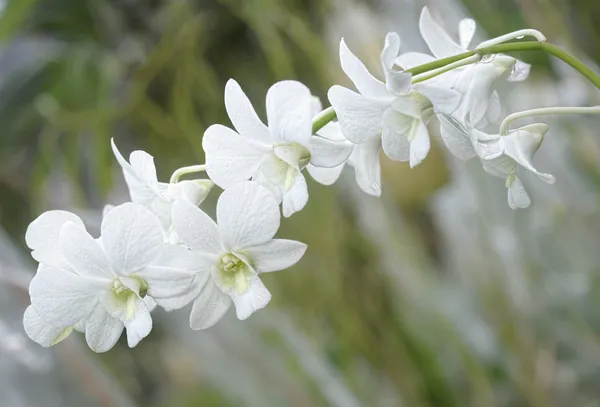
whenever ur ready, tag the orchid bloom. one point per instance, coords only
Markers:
(394, 114)
(275, 155)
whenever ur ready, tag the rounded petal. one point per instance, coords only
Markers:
(41, 332)
(42, 237)
(61, 298)
(195, 228)
(131, 236)
(327, 153)
(367, 167)
(456, 137)
(444, 100)
(466, 31)
(501, 166)
(102, 331)
(257, 297)
(325, 176)
(359, 75)
(84, 253)
(242, 114)
(438, 41)
(360, 118)
(142, 164)
(194, 191)
(209, 307)
(230, 157)
(296, 197)
(275, 255)
(521, 145)
(396, 145)
(419, 145)
(140, 325)
(247, 215)
(517, 195)
(183, 299)
(332, 131)
(289, 111)
(172, 272)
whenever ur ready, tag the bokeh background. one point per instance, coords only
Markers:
(435, 295)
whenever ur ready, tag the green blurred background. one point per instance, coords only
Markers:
(437, 294)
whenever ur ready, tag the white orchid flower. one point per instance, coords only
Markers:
(145, 189)
(275, 155)
(100, 286)
(396, 111)
(236, 249)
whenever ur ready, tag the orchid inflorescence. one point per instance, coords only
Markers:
(162, 250)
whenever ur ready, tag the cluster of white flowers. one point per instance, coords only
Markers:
(163, 250)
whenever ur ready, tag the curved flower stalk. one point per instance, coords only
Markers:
(144, 188)
(397, 112)
(235, 250)
(102, 286)
(275, 155)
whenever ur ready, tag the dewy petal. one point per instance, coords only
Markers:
(196, 229)
(409, 60)
(367, 167)
(396, 145)
(140, 325)
(289, 111)
(517, 195)
(84, 253)
(521, 145)
(209, 307)
(444, 100)
(520, 72)
(419, 145)
(242, 114)
(60, 297)
(466, 31)
(327, 153)
(247, 215)
(40, 331)
(172, 272)
(438, 41)
(102, 331)
(296, 197)
(230, 157)
(456, 137)
(275, 255)
(42, 237)
(366, 84)
(131, 236)
(257, 297)
(325, 176)
(360, 118)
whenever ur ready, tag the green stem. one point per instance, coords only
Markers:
(432, 74)
(320, 120)
(187, 170)
(544, 111)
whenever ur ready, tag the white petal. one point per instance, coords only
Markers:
(289, 111)
(84, 253)
(102, 331)
(466, 31)
(141, 192)
(325, 176)
(131, 236)
(42, 237)
(520, 72)
(456, 137)
(257, 297)
(60, 297)
(265, 181)
(209, 307)
(413, 104)
(359, 75)
(360, 118)
(143, 165)
(140, 325)
(230, 157)
(296, 197)
(293, 154)
(40, 331)
(247, 215)
(367, 167)
(444, 100)
(396, 82)
(171, 273)
(150, 303)
(501, 167)
(396, 145)
(494, 109)
(332, 131)
(419, 145)
(195, 228)
(242, 114)
(275, 255)
(194, 191)
(276, 171)
(189, 295)
(521, 145)
(328, 153)
(517, 195)
(438, 41)
(409, 60)
(390, 50)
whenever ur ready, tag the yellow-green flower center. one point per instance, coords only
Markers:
(234, 272)
(127, 297)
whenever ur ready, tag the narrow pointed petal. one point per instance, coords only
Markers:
(230, 157)
(325, 176)
(196, 229)
(84, 253)
(102, 331)
(466, 31)
(242, 114)
(390, 50)
(328, 153)
(41, 332)
(359, 75)
(521, 145)
(42, 237)
(209, 307)
(247, 215)
(438, 41)
(367, 167)
(517, 195)
(360, 118)
(289, 111)
(142, 164)
(131, 236)
(396, 82)
(257, 297)
(419, 145)
(140, 191)
(395, 145)
(295, 199)
(275, 255)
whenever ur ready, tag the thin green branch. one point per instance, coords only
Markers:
(544, 111)
(320, 120)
